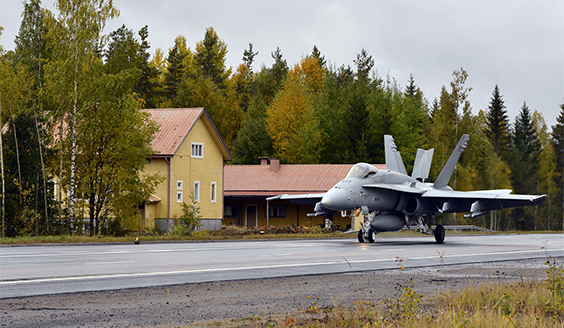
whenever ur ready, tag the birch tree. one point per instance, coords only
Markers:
(77, 39)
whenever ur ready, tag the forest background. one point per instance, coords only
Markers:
(70, 99)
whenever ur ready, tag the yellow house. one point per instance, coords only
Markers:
(190, 154)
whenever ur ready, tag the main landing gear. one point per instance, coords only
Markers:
(423, 227)
(439, 234)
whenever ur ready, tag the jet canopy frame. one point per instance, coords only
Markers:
(361, 171)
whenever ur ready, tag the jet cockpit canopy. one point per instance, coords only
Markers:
(362, 170)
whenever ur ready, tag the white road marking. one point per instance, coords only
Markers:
(273, 266)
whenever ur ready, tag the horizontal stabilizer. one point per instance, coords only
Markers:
(305, 199)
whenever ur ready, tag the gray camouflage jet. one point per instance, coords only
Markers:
(390, 199)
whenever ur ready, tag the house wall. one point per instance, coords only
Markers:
(185, 170)
(293, 212)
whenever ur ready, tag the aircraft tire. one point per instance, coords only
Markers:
(360, 236)
(371, 236)
(439, 234)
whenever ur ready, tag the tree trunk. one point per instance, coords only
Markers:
(40, 143)
(18, 160)
(3, 181)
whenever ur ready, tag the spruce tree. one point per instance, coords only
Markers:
(558, 145)
(524, 164)
(497, 122)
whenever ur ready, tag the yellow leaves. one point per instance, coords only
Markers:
(311, 74)
(292, 124)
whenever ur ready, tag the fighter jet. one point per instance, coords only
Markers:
(390, 199)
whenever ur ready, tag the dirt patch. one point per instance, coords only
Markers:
(249, 302)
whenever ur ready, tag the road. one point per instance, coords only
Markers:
(55, 269)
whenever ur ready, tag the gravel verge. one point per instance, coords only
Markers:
(240, 303)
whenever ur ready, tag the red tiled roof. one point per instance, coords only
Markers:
(255, 180)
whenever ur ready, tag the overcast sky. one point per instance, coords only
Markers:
(516, 44)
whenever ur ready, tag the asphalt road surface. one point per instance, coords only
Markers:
(56, 269)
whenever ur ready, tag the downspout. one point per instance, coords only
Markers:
(167, 159)
(267, 212)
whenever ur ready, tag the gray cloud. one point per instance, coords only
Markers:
(518, 45)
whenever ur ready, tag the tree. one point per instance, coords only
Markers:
(209, 58)
(497, 122)
(244, 78)
(546, 183)
(249, 57)
(253, 141)
(76, 37)
(175, 72)
(364, 64)
(524, 164)
(31, 53)
(148, 85)
(558, 146)
(269, 80)
(320, 58)
(114, 143)
(292, 124)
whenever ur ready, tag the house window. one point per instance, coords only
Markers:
(179, 197)
(179, 184)
(197, 191)
(197, 150)
(228, 210)
(213, 189)
(276, 211)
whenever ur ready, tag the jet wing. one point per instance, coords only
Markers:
(306, 199)
(395, 187)
(479, 202)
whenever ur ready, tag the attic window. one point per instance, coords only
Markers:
(197, 150)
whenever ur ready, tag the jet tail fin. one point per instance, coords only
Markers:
(393, 156)
(446, 173)
(422, 164)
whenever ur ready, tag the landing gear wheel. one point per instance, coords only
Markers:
(371, 236)
(360, 236)
(439, 234)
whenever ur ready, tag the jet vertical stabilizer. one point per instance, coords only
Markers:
(422, 164)
(446, 173)
(393, 156)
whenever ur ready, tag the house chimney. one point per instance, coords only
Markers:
(263, 160)
(274, 165)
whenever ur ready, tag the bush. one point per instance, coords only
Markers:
(189, 221)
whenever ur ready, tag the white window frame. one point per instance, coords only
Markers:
(213, 192)
(196, 191)
(197, 149)
(179, 184)
(179, 197)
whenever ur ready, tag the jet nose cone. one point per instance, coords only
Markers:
(335, 199)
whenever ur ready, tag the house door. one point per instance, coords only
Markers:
(251, 216)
